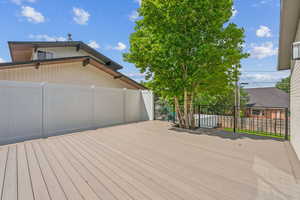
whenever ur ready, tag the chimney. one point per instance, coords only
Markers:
(70, 37)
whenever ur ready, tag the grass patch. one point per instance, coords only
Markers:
(273, 135)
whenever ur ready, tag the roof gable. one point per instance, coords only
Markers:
(22, 51)
(267, 97)
(85, 61)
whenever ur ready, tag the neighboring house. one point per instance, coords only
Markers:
(289, 58)
(70, 62)
(267, 103)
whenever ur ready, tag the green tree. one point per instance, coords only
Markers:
(284, 84)
(186, 47)
(225, 99)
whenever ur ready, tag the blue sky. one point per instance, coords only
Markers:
(107, 25)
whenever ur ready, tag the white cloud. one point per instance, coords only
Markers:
(234, 12)
(138, 1)
(81, 16)
(94, 44)
(32, 15)
(260, 78)
(2, 60)
(264, 50)
(19, 2)
(264, 2)
(120, 47)
(45, 37)
(263, 31)
(136, 75)
(134, 15)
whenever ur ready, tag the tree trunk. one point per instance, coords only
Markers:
(186, 110)
(179, 113)
(192, 117)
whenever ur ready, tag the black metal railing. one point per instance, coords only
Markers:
(267, 121)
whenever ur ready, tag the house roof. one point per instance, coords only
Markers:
(83, 59)
(289, 19)
(268, 97)
(22, 50)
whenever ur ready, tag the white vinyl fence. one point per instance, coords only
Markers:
(35, 110)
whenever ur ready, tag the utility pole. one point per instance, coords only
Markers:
(237, 94)
(236, 99)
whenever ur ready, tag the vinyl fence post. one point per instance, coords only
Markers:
(124, 105)
(44, 123)
(286, 124)
(93, 123)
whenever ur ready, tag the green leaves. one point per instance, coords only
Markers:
(284, 84)
(186, 45)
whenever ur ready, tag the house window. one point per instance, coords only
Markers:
(278, 115)
(296, 51)
(43, 55)
(255, 112)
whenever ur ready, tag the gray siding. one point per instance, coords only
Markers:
(295, 108)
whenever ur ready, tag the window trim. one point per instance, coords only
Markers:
(296, 49)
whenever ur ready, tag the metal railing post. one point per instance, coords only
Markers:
(199, 115)
(174, 114)
(234, 119)
(154, 104)
(286, 124)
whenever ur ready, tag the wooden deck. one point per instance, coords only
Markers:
(146, 161)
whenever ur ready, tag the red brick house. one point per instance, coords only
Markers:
(269, 103)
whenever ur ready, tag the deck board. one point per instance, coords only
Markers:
(105, 180)
(105, 168)
(94, 183)
(39, 187)
(81, 184)
(69, 188)
(124, 171)
(198, 176)
(25, 191)
(169, 166)
(167, 186)
(146, 161)
(54, 188)
(10, 181)
(3, 162)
